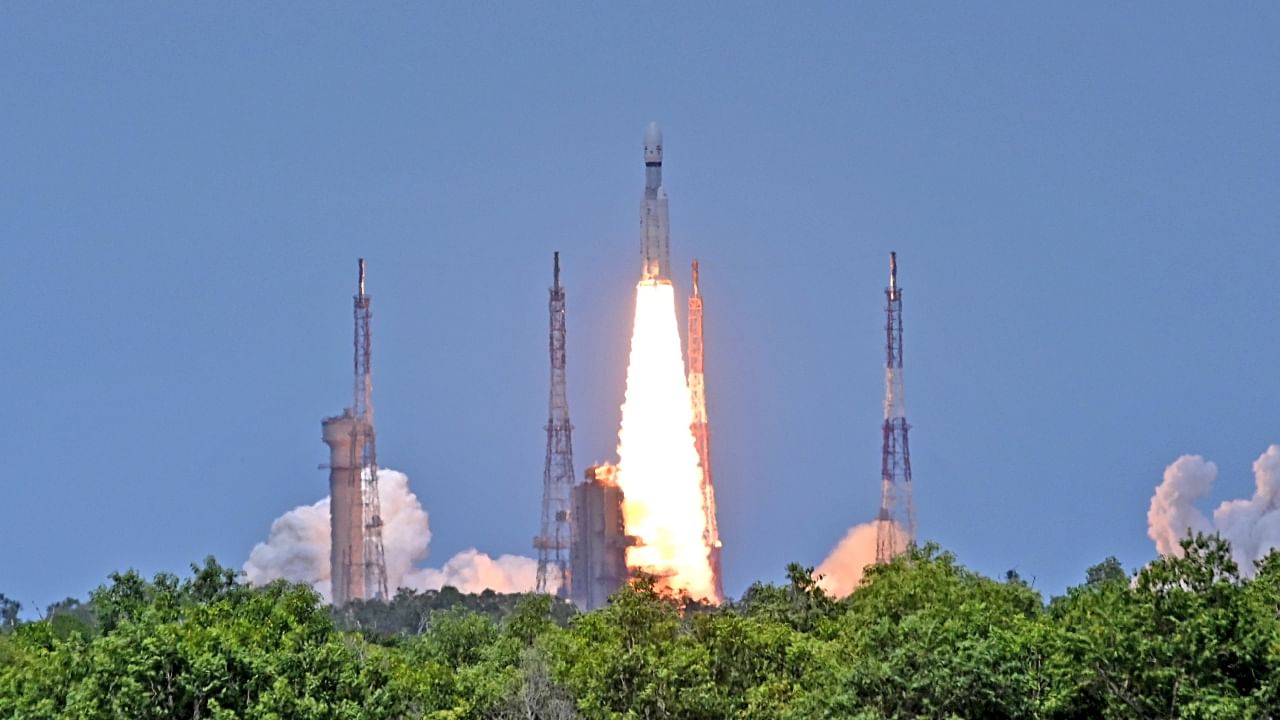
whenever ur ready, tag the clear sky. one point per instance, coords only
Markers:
(1085, 200)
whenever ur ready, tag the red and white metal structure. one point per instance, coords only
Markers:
(701, 436)
(895, 455)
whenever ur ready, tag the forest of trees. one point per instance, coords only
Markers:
(923, 637)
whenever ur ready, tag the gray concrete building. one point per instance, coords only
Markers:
(598, 553)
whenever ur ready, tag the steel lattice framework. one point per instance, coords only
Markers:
(364, 447)
(701, 436)
(895, 456)
(553, 540)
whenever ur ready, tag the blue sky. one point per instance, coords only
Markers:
(1085, 201)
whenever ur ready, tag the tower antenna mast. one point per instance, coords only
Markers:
(364, 447)
(895, 453)
(553, 540)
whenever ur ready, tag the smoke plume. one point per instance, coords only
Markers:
(1252, 525)
(841, 572)
(471, 571)
(297, 549)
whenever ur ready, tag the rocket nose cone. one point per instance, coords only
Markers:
(652, 143)
(652, 135)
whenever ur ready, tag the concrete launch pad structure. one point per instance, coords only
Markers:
(598, 554)
(346, 508)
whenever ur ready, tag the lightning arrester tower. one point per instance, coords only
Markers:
(366, 445)
(895, 454)
(553, 541)
(701, 437)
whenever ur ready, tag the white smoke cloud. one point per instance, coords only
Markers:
(842, 571)
(297, 549)
(471, 571)
(1252, 525)
(1173, 513)
(406, 534)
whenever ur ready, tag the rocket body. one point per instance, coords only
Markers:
(655, 234)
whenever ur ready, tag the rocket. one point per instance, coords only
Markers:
(655, 235)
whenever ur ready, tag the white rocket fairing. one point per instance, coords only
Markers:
(655, 235)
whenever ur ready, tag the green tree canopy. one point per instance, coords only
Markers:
(1190, 636)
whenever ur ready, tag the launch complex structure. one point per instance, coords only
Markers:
(582, 543)
(357, 562)
(582, 540)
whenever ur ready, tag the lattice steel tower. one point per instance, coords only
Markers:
(701, 437)
(365, 443)
(552, 543)
(895, 454)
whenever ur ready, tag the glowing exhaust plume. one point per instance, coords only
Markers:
(658, 463)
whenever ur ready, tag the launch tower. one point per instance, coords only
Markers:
(895, 455)
(701, 437)
(358, 567)
(553, 541)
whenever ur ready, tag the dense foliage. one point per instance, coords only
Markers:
(1186, 637)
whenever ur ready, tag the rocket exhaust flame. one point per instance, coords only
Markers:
(658, 463)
